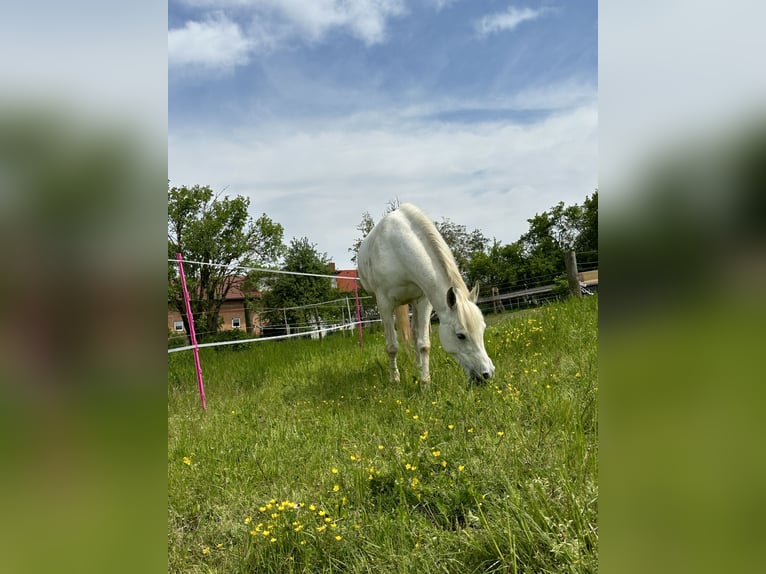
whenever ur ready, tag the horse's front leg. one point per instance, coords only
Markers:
(392, 344)
(421, 321)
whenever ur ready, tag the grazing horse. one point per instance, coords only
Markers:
(404, 259)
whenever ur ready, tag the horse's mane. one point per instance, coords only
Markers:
(440, 248)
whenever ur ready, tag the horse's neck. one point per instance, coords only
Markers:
(434, 282)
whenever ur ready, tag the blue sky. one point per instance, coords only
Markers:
(483, 112)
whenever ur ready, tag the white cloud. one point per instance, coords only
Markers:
(313, 20)
(215, 43)
(441, 4)
(508, 20)
(317, 181)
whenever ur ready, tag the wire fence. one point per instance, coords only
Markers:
(323, 318)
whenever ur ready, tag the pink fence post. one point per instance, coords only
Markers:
(193, 335)
(358, 313)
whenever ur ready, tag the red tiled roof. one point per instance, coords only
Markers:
(235, 291)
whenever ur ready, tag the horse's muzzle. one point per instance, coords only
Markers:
(480, 377)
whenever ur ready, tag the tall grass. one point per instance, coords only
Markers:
(309, 460)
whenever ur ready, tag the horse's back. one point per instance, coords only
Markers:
(392, 252)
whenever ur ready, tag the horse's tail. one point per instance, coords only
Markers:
(403, 322)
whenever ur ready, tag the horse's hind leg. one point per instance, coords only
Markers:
(421, 322)
(392, 345)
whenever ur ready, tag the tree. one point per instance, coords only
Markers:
(465, 246)
(501, 266)
(298, 290)
(367, 223)
(219, 233)
(365, 226)
(587, 240)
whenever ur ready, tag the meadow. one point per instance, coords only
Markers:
(309, 460)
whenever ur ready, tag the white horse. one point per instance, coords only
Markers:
(404, 259)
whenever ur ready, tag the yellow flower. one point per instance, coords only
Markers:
(339, 537)
(219, 545)
(262, 508)
(450, 427)
(414, 482)
(328, 520)
(500, 433)
(266, 532)
(273, 540)
(460, 468)
(408, 466)
(470, 430)
(444, 463)
(335, 488)
(206, 550)
(334, 470)
(312, 507)
(415, 417)
(322, 528)
(381, 447)
(248, 520)
(187, 460)
(321, 513)
(436, 453)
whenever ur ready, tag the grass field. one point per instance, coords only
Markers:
(309, 460)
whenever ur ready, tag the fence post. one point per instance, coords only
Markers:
(570, 260)
(358, 313)
(497, 304)
(287, 327)
(350, 318)
(193, 334)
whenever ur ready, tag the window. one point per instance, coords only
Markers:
(235, 323)
(178, 326)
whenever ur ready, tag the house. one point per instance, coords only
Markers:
(345, 279)
(232, 311)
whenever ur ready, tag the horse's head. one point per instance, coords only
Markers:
(461, 331)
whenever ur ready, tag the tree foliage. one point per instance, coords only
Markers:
(217, 231)
(289, 291)
(465, 246)
(537, 257)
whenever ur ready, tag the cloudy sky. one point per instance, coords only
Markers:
(480, 111)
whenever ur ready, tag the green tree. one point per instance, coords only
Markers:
(551, 233)
(587, 240)
(367, 223)
(219, 232)
(288, 291)
(501, 266)
(465, 246)
(365, 226)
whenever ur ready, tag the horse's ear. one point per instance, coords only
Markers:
(475, 292)
(451, 299)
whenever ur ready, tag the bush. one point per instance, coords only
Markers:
(226, 336)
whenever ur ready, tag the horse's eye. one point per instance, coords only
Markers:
(461, 336)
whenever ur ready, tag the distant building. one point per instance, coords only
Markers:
(345, 279)
(232, 311)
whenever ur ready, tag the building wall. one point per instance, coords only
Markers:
(229, 310)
